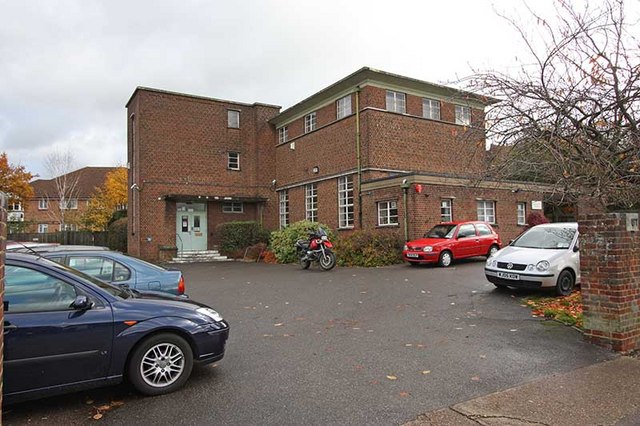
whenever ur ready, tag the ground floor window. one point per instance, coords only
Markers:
(387, 213)
(232, 207)
(311, 202)
(43, 228)
(487, 211)
(345, 202)
(69, 227)
(284, 209)
(522, 213)
(446, 212)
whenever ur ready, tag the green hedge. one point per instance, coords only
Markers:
(237, 236)
(366, 248)
(117, 236)
(283, 242)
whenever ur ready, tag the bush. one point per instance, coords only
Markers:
(282, 242)
(536, 218)
(117, 236)
(236, 236)
(366, 248)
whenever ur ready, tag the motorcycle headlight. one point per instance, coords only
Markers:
(427, 249)
(406, 247)
(210, 313)
(542, 266)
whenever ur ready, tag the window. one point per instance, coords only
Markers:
(463, 115)
(311, 202)
(466, 230)
(233, 161)
(69, 227)
(283, 134)
(387, 213)
(27, 290)
(345, 202)
(14, 207)
(43, 228)
(233, 119)
(343, 107)
(232, 207)
(483, 229)
(522, 213)
(431, 108)
(310, 122)
(71, 204)
(284, 209)
(396, 102)
(487, 211)
(100, 267)
(446, 212)
(43, 204)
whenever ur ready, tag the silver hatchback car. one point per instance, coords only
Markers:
(542, 257)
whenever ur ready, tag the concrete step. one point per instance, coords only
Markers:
(200, 259)
(193, 253)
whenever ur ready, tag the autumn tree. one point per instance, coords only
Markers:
(59, 165)
(111, 196)
(569, 117)
(14, 181)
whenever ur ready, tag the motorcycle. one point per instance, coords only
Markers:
(316, 249)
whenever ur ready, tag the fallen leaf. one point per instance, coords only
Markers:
(280, 324)
(300, 318)
(97, 416)
(267, 335)
(408, 345)
(425, 372)
(475, 378)
(483, 356)
(392, 378)
(89, 401)
(420, 345)
(514, 329)
(121, 403)
(403, 394)
(103, 408)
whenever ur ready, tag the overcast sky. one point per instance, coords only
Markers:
(67, 68)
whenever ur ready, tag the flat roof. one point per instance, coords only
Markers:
(204, 98)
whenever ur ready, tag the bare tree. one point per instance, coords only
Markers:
(570, 116)
(59, 166)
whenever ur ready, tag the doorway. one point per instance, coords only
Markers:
(191, 226)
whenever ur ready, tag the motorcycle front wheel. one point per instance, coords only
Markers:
(328, 261)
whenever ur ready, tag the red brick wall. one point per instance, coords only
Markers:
(610, 269)
(36, 216)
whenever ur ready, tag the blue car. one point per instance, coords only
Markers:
(66, 331)
(120, 269)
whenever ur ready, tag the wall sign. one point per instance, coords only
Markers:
(536, 205)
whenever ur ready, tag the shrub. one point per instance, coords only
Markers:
(536, 218)
(366, 248)
(282, 242)
(117, 236)
(236, 236)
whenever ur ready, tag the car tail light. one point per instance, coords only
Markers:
(181, 285)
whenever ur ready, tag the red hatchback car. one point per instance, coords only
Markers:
(452, 240)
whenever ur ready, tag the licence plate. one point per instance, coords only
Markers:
(508, 276)
(414, 255)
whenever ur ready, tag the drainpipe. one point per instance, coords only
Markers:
(405, 189)
(358, 156)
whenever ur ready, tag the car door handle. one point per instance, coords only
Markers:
(9, 327)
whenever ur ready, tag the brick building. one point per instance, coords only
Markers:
(372, 151)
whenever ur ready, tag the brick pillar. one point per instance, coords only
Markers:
(610, 268)
(3, 242)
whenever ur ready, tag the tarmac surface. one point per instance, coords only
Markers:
(358, 346)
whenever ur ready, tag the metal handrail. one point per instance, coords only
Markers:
(181, 244)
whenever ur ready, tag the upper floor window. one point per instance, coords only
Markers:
(233, 161)
(345, 202)
(283, 134)
(43, 204)
(343, 107)
(396, 102)
(233, 119)
(463, 115)
(387, 213)
(310, 122)
(446, 211)
(522, 213)
(284, 208)
(14, 207)
(232, 207)
(487, 211)
(431, 108)
(71, 204)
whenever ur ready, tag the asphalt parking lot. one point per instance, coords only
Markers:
(350, 346)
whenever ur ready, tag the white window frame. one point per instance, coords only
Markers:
(396, 102)
(310, 122)
(233, 119)
(345, 202)
(70, 204)
(69, 227)
(14, 207)
(431, 108)
(311, 202)
(232, 207)
(43, 204)
(43, 228)
(283, 134)
(521, 213)
(486, 210)
(343, 107)
(463, 115)
(283, 197)
(233, 164)
(446, 217)
(385, 216)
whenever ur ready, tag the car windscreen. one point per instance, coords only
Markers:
(441, 231)
(111, 289)
(546, 238)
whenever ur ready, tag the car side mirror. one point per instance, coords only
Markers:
(81, 303)
(576, 248)
(462, 236)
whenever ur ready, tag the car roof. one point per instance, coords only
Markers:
(558, 225)
(50, 247)
(459, 222)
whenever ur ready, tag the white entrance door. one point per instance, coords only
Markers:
(191, 226)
